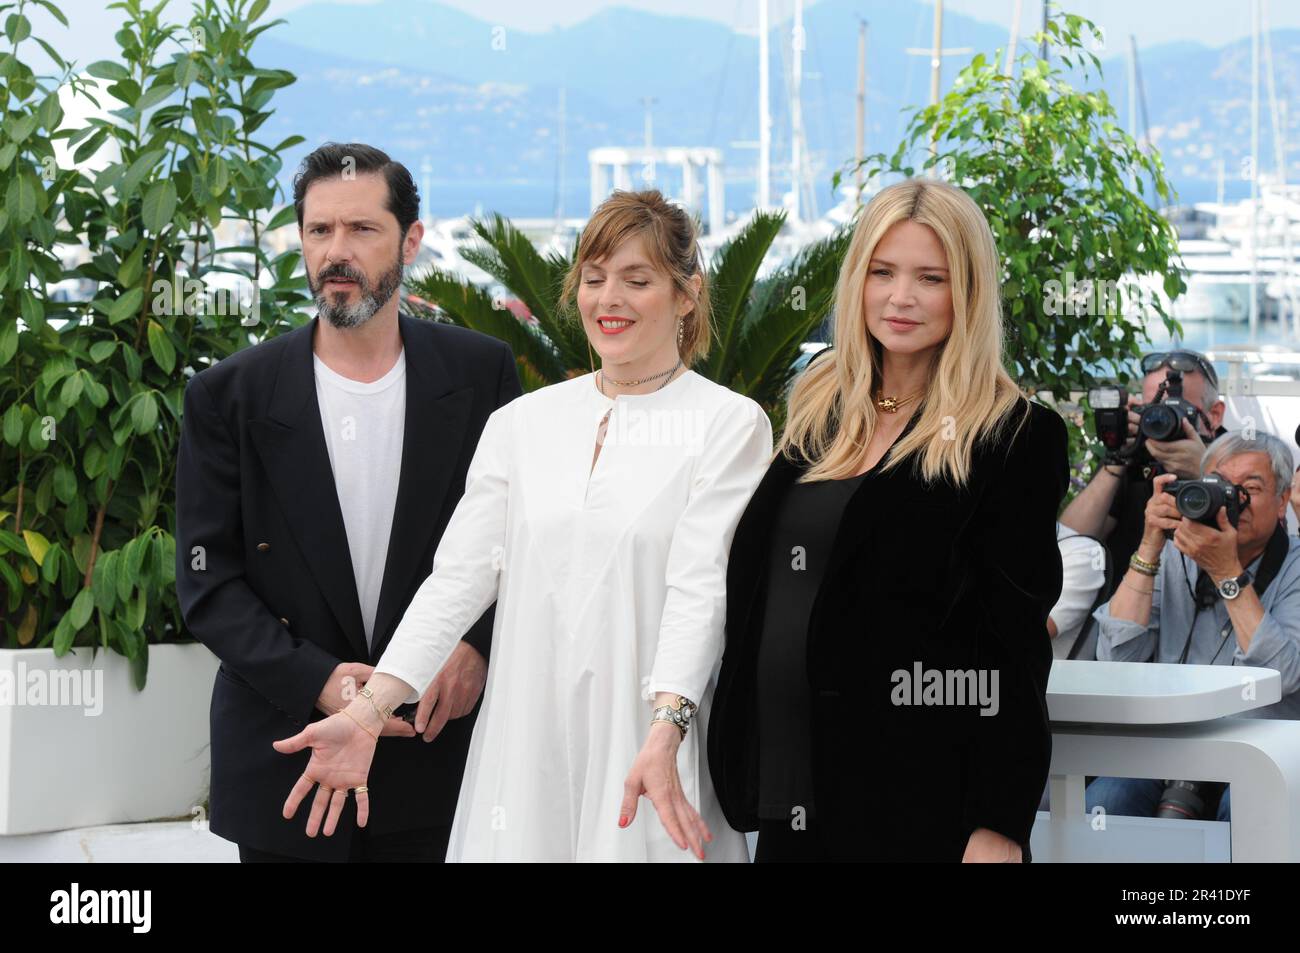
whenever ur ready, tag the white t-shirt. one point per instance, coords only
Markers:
(363, 426)
(1082, 565)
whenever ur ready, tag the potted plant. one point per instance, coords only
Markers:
(141, 192)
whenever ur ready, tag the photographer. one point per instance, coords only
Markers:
(1110, 507)
(1215, 581)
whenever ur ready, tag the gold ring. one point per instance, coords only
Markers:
(362, 789)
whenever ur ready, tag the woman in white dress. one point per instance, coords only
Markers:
(598, 513)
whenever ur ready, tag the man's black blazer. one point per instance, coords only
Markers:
(264, 575)
(956, 580)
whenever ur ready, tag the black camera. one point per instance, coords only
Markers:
(1163, 419)
(1160, 420)
(1200, 499)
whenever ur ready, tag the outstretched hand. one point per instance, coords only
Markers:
(341, 752)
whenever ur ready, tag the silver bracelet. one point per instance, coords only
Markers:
(679, 715)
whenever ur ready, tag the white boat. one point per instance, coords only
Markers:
(441, 246)
(1218, 283)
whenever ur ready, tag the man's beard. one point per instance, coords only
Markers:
(343, 315)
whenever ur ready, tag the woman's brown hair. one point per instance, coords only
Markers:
(670, 242)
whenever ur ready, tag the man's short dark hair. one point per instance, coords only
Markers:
(330, 160)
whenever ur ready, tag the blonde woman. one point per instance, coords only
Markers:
(597, 514)
(882, 689)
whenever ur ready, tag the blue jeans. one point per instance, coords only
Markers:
(1136, 797)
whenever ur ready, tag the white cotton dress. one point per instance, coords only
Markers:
(610, 584)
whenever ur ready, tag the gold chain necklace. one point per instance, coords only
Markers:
(890, 405)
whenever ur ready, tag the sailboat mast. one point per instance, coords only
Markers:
(1277, 115)
(937, 62)
(764, 114)
(862, 105)
(1014, 39)
(796, 111)
(1132, 88)
(559, 162)
(1254, 168)
(936, 54)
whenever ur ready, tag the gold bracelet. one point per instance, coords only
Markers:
(359, 725)
(375, 708)
(369, 696)
(1145, 592)
(1141, 565)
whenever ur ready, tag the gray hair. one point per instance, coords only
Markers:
(1211, 394)
(1231, 445)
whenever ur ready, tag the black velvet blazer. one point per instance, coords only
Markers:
(953, 580)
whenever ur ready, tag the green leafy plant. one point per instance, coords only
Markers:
(92, 390)
(1062, 185)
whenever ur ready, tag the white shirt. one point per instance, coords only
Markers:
(363, 426)
(610, 586)
(1083, 575)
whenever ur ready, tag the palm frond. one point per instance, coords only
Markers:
(785, 310)
(471, 307)
(511, 258)
(731, 278)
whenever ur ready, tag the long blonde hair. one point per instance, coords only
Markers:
(832, 417)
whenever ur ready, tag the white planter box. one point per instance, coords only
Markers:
(80, 747)
(163, 842)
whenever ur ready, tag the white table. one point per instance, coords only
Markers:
(1153, 720)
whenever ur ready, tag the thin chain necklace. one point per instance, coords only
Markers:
(600, 379)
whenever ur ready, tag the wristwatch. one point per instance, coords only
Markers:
(1231, 588)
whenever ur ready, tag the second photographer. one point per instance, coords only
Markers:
(1167, 433)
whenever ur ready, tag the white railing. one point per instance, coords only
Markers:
(1257, 370)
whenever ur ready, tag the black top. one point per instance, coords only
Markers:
(954, 577)
(802, 536)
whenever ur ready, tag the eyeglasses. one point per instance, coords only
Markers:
(1180, 361)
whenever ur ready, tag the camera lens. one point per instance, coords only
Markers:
(1159, 422)
(1193, 501)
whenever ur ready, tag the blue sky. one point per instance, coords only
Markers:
(1213, 22)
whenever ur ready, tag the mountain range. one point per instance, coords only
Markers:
(473, 107)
